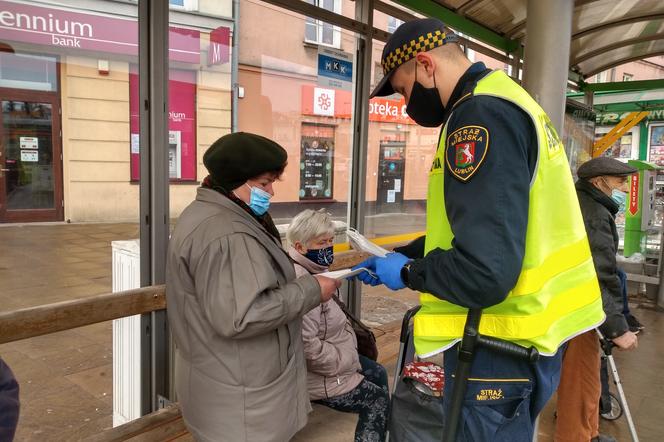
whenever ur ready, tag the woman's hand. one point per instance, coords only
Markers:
(328, 287)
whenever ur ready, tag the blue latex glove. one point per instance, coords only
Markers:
(387, 270)
(365, 277)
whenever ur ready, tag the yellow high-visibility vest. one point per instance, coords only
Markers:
(557, 295)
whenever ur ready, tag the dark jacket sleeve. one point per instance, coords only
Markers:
(9, 403)
(488, 212)
(414, 249)
(602, 247)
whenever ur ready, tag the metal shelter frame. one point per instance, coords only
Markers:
(500, 39)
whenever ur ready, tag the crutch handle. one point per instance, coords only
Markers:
(529, 354)
(405, 324)
(606, 344)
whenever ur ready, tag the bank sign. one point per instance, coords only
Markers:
(60, 28)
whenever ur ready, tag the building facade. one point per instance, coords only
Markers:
(282, 97)
(70, 108)
(69, 94)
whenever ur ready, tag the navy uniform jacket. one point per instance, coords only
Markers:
(488, 212)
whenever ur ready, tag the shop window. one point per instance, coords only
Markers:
(33, 72)
(316, 162)
(393, 24)
(181, 125)
(656, 145)
(320, 32)
(621, 148)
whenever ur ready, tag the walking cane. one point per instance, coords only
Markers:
(607, 346)
(469, 343)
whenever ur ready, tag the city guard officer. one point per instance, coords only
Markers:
(504, 231)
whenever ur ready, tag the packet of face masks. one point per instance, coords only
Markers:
(359, 242)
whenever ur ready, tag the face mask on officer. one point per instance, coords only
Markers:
(425, 106)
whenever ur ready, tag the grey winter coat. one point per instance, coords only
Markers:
(235, 309)
(330, 344)
(599, 212)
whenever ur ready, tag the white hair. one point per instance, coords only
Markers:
(309, 224)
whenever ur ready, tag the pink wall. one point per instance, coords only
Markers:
(647, 69)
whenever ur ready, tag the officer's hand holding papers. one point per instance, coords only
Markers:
(382, 268)
(387, 270)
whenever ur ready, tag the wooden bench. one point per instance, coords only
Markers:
(167, 424)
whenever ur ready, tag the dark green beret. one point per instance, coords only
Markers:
(237, 157)
(603, 166)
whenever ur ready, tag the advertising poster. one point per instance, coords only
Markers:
(317, 153)
(181, 125)
(657, 145)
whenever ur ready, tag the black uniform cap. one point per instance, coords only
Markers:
(235, 158)
(602, 166)
(410, 39)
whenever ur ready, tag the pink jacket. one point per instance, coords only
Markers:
(330, 345)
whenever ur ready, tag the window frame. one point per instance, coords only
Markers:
(336, 30)
(393, 23)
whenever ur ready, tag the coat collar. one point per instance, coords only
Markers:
(305, 262)
(213, 197)
(585, 186)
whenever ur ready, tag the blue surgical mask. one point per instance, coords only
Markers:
(619, 197)
(259, 201)
(323, 257)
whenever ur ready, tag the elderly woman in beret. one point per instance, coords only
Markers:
(234, 303)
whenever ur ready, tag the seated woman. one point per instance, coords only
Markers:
(337, 376)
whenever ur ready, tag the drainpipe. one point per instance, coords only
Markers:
(235, 87)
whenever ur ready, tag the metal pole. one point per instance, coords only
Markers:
(360, 130)
(516, 63)
(154, 193)
(546, 60)
(235, 82)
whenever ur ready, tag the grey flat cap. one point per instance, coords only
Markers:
(604, 166)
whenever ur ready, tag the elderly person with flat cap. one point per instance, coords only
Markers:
(235, 305)
(601, 190)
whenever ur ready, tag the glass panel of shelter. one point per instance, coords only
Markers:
(66, 142)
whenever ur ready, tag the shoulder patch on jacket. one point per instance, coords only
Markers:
(466, 149)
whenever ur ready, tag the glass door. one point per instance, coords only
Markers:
(30, 162)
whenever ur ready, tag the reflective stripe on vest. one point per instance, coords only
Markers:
(557, 295)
